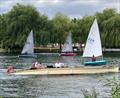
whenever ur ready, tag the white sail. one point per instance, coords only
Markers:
(67, 47)
(29, 45)
(93, 44)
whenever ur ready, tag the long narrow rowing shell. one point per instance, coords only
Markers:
(68, 71)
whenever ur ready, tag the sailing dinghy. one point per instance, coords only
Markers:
(67, 49)
(28, 49)
(93, 46)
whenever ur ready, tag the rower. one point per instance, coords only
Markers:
(10, 69)
(36, 65)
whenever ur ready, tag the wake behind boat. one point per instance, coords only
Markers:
(28, 49)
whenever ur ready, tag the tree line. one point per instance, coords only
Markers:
(16, 24)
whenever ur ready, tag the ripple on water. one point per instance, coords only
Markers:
(51, 86)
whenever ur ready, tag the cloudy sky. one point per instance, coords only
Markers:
(71, 8)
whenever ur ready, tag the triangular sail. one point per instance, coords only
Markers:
(93, 44)
(29, 45)
(67, 47)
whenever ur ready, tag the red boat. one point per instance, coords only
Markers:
(68, 54)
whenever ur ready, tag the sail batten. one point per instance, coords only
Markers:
(93, 44)
(67, 47)
(29, 44)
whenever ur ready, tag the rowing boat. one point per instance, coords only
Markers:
(69, 71)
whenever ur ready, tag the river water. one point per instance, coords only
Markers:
(60, 86)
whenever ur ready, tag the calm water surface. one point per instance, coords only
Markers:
(62, 86)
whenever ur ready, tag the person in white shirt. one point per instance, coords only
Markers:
(59, 65)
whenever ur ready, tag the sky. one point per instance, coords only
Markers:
(70, 8)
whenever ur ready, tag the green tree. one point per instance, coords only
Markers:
(82, 29)
(61, 27)
(19, 22)
(16, 24)
(111, 28)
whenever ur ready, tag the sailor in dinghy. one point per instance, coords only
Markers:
(93, 46)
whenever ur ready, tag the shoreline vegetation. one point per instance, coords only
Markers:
(114, 91)
(21, 19)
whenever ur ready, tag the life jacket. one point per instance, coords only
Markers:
(93, 58)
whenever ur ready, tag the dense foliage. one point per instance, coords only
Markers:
(17, 23)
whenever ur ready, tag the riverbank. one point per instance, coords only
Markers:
(76, 50)
(57, 50)
(112, 50)
(2, 50)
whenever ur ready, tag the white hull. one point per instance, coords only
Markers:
(68, 71)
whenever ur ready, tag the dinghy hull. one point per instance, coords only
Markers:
(68, 54)
(95, 63)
